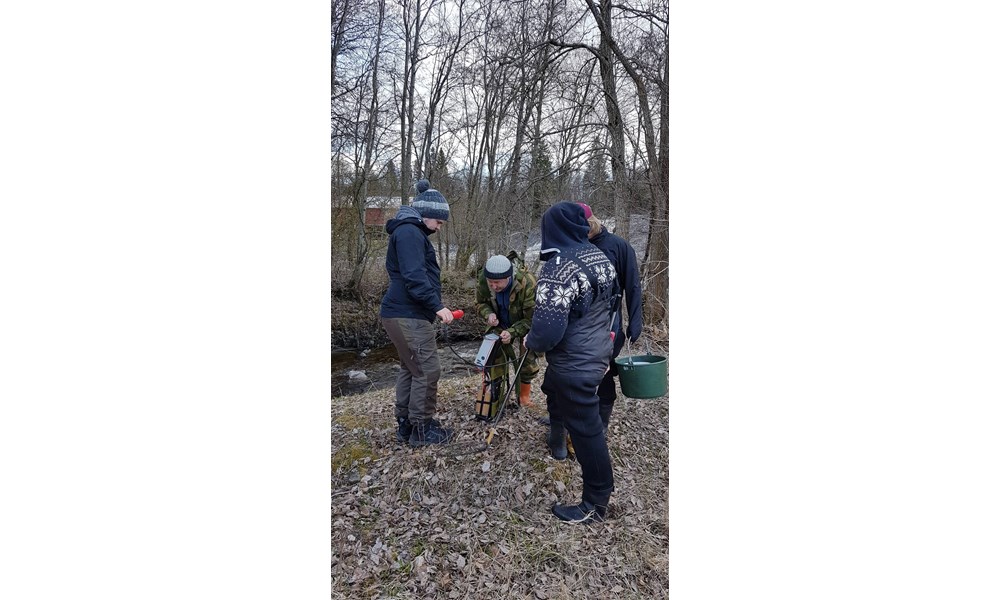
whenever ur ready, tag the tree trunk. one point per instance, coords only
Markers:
(655, 308)
(411, 39)
(338, 24)
(361, 256)
(616, 127)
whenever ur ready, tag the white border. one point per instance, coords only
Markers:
(165, 274)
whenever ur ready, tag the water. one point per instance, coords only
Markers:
(381, 365)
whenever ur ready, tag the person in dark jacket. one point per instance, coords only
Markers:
(572, 326)
(622, 256)
(408, 310)
(505, 298)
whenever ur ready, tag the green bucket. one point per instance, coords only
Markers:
(643, 376)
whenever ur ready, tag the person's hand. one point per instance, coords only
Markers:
(446, 315)
(524, 341)
(634, 333)
(505, 336)
(492, 320)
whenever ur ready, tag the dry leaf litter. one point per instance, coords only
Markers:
(427, 523)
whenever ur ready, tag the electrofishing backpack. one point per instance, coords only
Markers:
(491, 361)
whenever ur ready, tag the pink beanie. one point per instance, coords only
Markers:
(586, 210)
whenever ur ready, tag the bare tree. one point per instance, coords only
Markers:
(507, 107)
(658, 260)
(451, 41)
(338, 27)
(414, 16)
(615, 124)
(366, 175)
(358, 131)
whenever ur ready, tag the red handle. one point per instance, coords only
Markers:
(458, 314)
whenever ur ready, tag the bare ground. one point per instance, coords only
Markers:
(427, 523)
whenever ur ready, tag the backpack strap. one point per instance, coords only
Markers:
(592, 279)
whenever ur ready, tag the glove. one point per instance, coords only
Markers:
(634, 332)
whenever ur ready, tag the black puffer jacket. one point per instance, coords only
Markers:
(576, 285)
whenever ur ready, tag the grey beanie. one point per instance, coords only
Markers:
(498, 267)
(429, 202)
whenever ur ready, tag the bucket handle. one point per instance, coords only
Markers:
(628, 342)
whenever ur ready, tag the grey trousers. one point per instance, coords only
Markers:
(416, 384)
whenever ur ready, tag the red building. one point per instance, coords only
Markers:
(378, 210)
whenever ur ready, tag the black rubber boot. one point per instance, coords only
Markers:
(404, 430)
(557, 440)
(605, 411)
(583, 512)
(431, 432)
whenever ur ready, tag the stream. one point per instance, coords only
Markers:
(355, 372)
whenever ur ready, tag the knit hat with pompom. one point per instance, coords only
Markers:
(429, 202)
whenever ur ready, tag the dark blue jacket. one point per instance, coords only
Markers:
(414, 275)
(622, 256)
(572, 319)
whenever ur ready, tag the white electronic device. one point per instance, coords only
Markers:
(486, 349)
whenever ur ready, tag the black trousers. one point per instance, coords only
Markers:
(571, 396)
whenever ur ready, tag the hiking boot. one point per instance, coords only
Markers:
(431, 432)
(584, 512)
(404, 430)
(557, 440)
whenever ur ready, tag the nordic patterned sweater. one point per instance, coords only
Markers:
(572, 319)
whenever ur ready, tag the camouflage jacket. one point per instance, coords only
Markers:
(522, 301)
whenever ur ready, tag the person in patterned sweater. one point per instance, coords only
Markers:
(572, 326)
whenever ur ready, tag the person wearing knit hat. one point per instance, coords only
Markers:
(622, 256)
(505, 298)
(430, 203)
(409, 308)
(572, 325)
(498, 267)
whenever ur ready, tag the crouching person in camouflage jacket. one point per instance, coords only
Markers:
(505, 298)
